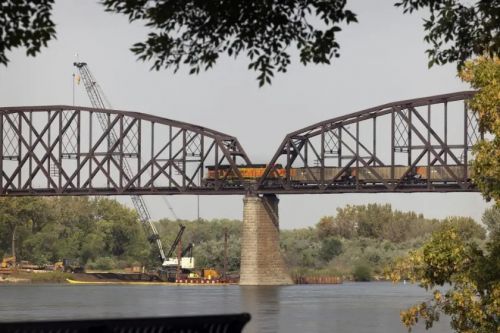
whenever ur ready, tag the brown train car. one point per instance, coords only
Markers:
(367, 175)
(313, 174)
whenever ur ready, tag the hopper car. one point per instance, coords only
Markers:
(346, 176)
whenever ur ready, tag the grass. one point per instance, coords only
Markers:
(45, 277)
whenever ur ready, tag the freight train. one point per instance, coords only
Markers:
(351, 175)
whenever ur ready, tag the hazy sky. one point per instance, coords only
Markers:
(382, 60)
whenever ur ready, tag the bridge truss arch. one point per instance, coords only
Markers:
(416, 145)
(72, 150)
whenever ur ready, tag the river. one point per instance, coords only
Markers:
(350, 307)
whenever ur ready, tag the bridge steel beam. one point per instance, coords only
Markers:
(416, 145)
(66, 150)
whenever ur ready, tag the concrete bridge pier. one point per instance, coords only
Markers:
(261, 260)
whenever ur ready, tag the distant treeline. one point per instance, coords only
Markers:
(101, 233)
(360, 241)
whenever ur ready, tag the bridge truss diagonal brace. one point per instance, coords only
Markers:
(177, 166)
(429, 147)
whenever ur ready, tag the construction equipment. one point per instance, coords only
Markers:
(72, 266)
(8, 262)
(187, 263)
(210, 274)
(69, 266)
(98, 100)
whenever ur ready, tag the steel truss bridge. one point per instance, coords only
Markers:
(417, 145)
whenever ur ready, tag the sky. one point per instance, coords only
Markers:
(382, 60)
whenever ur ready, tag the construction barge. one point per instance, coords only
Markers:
(145, 279)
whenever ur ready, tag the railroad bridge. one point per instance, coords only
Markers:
(417, 145)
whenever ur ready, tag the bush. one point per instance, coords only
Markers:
(330, 248)
(362, 272)
(103, 263)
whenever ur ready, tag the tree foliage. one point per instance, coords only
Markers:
(458, 30)
(330, 248)
(483, 74)
(50, 229)
(362, 272)
(375, 221)
(451, 257)
(25, 23)
(197, 33)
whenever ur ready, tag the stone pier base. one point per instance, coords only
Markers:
(261, 260)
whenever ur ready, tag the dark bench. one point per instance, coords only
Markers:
(192, 324)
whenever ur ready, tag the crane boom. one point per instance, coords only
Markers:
(176, 241)
(98, 100)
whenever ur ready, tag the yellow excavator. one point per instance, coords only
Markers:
(69, 266)
(8, 262)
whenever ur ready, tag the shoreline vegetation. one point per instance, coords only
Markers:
(357, 244)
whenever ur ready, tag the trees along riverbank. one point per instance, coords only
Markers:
(100, 233)
(357, 243)
(451, 256)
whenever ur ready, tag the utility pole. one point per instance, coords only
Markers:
(224, 274)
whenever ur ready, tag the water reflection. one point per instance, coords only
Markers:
(263, 303)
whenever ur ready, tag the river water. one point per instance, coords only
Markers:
(350, 307)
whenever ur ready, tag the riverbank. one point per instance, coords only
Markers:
(35, 277)
(103, 278)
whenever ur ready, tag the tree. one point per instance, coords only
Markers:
(344, 224)
(197, 32)
(25, 23)
(330, 248)
(491, 219)
(458, 30)
(20, 213)
(473, 274)
(465, 226)
(483, 74)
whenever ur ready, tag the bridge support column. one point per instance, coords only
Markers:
(261, 260)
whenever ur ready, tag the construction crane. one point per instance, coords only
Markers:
(98, 100)
(176, 241)
(172, 260)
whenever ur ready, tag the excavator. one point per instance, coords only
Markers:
(8, 262)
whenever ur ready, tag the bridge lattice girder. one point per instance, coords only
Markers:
(406, 146)
(66, 150)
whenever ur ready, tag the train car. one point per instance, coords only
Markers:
(250, 172)
(441, 173)
(349, 176)
(312, 175)
(363, 175)
(370, 175)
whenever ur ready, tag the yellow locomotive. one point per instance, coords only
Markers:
(250, 172)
